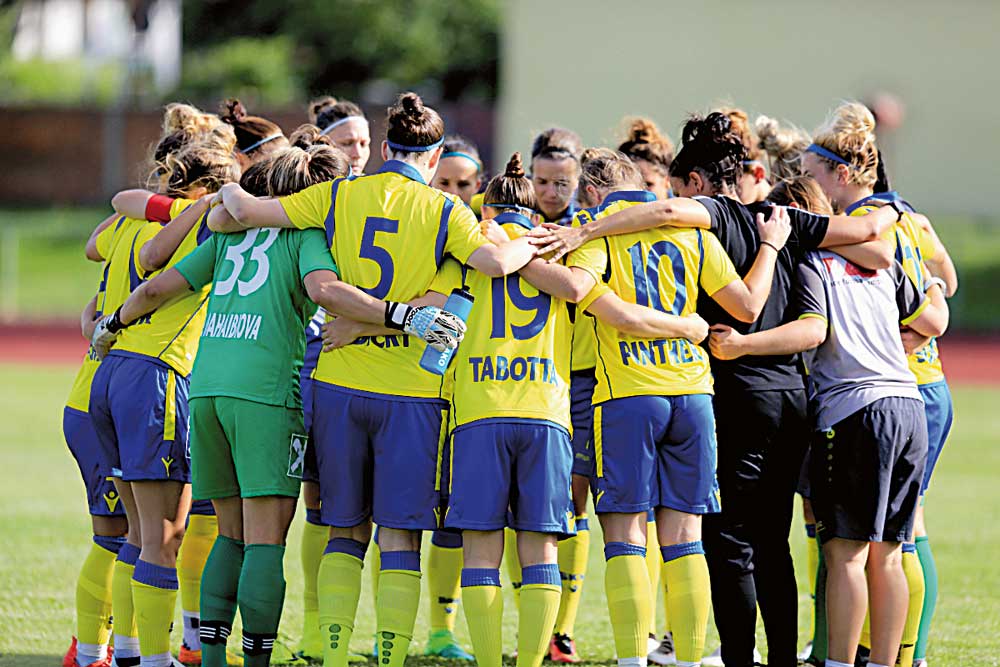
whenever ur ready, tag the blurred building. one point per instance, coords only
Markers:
(585, 64)
(141, 33)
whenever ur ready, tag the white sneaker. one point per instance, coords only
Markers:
(807, 651)
(652, 643)
(664, 653)
(715, 658)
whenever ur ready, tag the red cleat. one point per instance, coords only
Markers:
(563, 649)
(69, 660)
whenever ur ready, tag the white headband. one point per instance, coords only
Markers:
(261, 143)
(338, 123)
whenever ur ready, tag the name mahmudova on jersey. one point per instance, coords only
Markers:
(244, 326)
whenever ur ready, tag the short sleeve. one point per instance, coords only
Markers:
(144, 236)
(599, 290)
(308, 208)
(592, 257)
(177, 206)
(922, 239)
(809, 229)
(809, 299)
(448, 277)
(198, 268)
(314, 254)
(106, 237)
(910, 302)
(716, 212)
(464, 236)
(717, 269)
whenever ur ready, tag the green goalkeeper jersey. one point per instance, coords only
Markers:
(254, 336)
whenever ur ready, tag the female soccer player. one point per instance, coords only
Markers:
(378, 432)
(869, 449)
(845, 161)
(146, 376)
(347, 126)
(256, 137)
(555, 168)
(652, 152)
(753, 184)
(764, 396)
(460, 171)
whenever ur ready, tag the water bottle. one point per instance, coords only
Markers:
(459, 304)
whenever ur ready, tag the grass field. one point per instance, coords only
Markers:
(47, 533)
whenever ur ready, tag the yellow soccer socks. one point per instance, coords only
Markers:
(540, 593)
(154, 595)
(915, 581)
(626, 584)
(314, 538)
(396, 605)
(444, 575)
(125, 632)
(339, 585)
(198, 540)
(685, 574)
(483, 602)
(654, 563)
(93, 599)
(573, 554)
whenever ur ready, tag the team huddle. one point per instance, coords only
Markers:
(685, 340)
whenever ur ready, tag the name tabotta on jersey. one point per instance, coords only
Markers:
(500, 368)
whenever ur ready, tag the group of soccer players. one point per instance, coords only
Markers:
(685, 340)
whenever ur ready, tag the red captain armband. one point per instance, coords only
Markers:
(158, 208)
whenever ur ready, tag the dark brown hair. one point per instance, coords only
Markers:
(326, 110)
(512, 188)
(410, 123)
(251, 130)
(710, 147)
(254, 178)
(645, 142)
(307, 135)
(455, 143)
(557, 143)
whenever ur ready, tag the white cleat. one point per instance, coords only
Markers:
(807, 651)
(664, 653)
(715, 658)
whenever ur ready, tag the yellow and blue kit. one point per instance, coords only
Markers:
(510, 445)
(654, 429)
(138, 400)
(377, 417)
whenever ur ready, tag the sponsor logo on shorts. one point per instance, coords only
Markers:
(111, 499)
(297, 455)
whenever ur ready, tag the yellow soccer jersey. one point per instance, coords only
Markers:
(584, 357)
(911, 242)
(515, 358)
(388, 233)
(171, 333)
(660, 268)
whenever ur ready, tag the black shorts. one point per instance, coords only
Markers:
(865, 472)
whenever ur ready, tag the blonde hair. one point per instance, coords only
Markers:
(182, 126)
(644, 141)
(849, 133)
(311, 159)
(802, 191)
(208, 162)
(606, 169)
(783, 145)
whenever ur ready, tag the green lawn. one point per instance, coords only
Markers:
(47, 533)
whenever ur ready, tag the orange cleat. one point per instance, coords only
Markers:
(69, 660)
(563, 649)
(188, 657)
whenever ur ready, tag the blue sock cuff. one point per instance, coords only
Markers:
(480, 576)
(675, 551)
(112, 544)
(650, 515)
(401, 560)
(909, 548)
(541, 574)
(128, 554)
(313, 517)
(155, 575)
(446, 539)
(811, 530)
(582, 524)
(345, 545)
(614, 549)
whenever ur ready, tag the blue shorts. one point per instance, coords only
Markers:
(581, 392)
(310, 469)
(139, 407)
(940, 413)
(93, 460)
(655, 451)
(378, 457)
(523, 464)
(202, 508)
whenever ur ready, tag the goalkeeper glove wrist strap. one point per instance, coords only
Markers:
(115, 324)
(396, 315)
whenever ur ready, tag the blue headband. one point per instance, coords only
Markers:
(830, 155)
(511, 207)
(413, 149)
(260, 143)
(465, 155)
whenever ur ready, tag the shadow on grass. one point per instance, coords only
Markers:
(20, 660)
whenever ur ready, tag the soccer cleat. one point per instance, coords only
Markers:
(861, 657)
(715, 658)
(188, 657)
(806, 652)
(69, 660)
(562, 649)
(443, 644)
(664, 653)
(652, 643)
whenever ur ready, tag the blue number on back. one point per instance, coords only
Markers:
(646, 274)
(381, 256)
(511, 287)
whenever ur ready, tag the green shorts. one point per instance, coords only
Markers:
(247, 449)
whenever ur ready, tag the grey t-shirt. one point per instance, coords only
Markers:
(862, 359)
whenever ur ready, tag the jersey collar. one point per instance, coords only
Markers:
(403, 169)
(637, 196)
(891, 196)
(516, 218)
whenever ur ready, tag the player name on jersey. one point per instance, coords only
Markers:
(501, 368)
(232, 326)
(675, 351)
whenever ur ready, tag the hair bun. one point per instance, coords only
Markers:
(319, 105)
(642, 130)
(308, 135)
(233, 111)
(515, 169)
(412, 104)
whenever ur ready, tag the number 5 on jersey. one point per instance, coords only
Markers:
(258, 255)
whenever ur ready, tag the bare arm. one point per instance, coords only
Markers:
(643, 322)
(850, 230)
(250, 211)
(802, 334)
(940, 264)
(569, 284)
(676, 212)
(131, 203)
(872, 255)
(88, 318)
(500, 260)
(92, 253)
(341, 299)
(933, 319)
(221, 222)
(157, 251)
(152, 294)
(343, 330)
